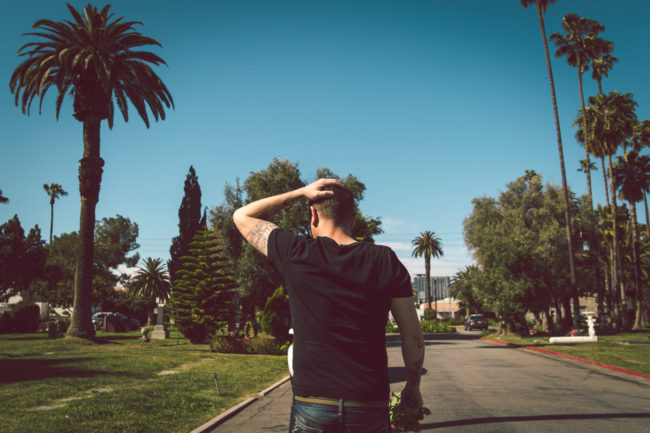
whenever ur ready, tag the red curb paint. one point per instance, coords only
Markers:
(575, 358)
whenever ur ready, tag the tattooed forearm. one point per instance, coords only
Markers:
(258, 236)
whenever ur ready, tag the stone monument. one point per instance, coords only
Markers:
(159, 331)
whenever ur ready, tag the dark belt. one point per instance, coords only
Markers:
(346, 403)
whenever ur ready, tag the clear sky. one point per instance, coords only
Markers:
(429, 103)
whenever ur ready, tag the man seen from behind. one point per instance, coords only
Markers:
(340, 292)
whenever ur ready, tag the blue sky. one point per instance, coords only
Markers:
(429, 103)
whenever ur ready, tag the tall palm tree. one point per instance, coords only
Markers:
(632, 179)
(95, 60)
(427, 245)
(641, 140)
(586, 166)
(152, 282)
(613, 124)
(542, 7)
(3, 199)
(602, 60)
(54, 191)
(578, 47)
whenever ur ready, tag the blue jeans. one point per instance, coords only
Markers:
(325, 418)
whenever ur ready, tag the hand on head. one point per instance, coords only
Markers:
(315, 190)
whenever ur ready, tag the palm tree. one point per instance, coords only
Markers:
(54, 191)
(586, 165)
(613, 123)
(640, 140)
(542, 7)
(463, 288)
(93, 59)
(427, 245)
(632, 178)
(3, 199)
(578, 48)
(602, 61)
(151, 282)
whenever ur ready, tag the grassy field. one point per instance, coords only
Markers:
(117, 384)
(625, 350)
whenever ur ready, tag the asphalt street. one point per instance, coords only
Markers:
(476, 386)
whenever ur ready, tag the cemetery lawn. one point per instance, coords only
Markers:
(116, 384)
(630, 351)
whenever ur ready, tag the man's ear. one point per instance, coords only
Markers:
(313, 216)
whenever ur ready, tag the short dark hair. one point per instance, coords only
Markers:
(338, 208)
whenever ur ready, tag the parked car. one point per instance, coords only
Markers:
(476, 321)
(125, 322)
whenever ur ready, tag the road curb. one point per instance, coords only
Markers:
(572, 357)
(219, 419)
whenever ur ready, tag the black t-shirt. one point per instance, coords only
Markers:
(340, 296)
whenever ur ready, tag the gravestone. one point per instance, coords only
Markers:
(159, 332)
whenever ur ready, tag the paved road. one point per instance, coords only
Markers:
(476, 386)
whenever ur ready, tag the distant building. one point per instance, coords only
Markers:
(439, 287)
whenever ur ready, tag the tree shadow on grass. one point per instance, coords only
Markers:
(21, 370)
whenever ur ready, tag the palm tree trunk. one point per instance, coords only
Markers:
(602, 164)
(617, 283)
(51, 217)
(586, 135)
(427, 270)
(90, 176)
(639, 321)
(565, 189)
(435, 298)
(647, 219)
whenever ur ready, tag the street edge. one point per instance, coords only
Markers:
(214, 422)
(575, 358)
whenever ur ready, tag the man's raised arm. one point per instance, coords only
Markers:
(250, 219)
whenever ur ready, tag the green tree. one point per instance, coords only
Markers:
(519, 244)
(427, 245)
(54, 191)
(115, 238)
(632, 179)
(22, 258)
(256, 277)
(613, 121)
(464, 287)
(202, 295)
(3, 199)
(189, 223)
(542, 7)
(151, 281)
(276, 319)
(578, 47)
(96, 60)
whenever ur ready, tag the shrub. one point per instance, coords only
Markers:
(275, 318)
(430, 314)
(23, 318)
(391, 327)
(253, 346)
(435, 327)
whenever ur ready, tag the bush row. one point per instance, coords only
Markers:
(428, 327)
(256, 345)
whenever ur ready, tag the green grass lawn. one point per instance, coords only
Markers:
(617, 350)
(115, 385)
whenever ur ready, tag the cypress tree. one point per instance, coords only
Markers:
(189, 223)
(204, 290)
